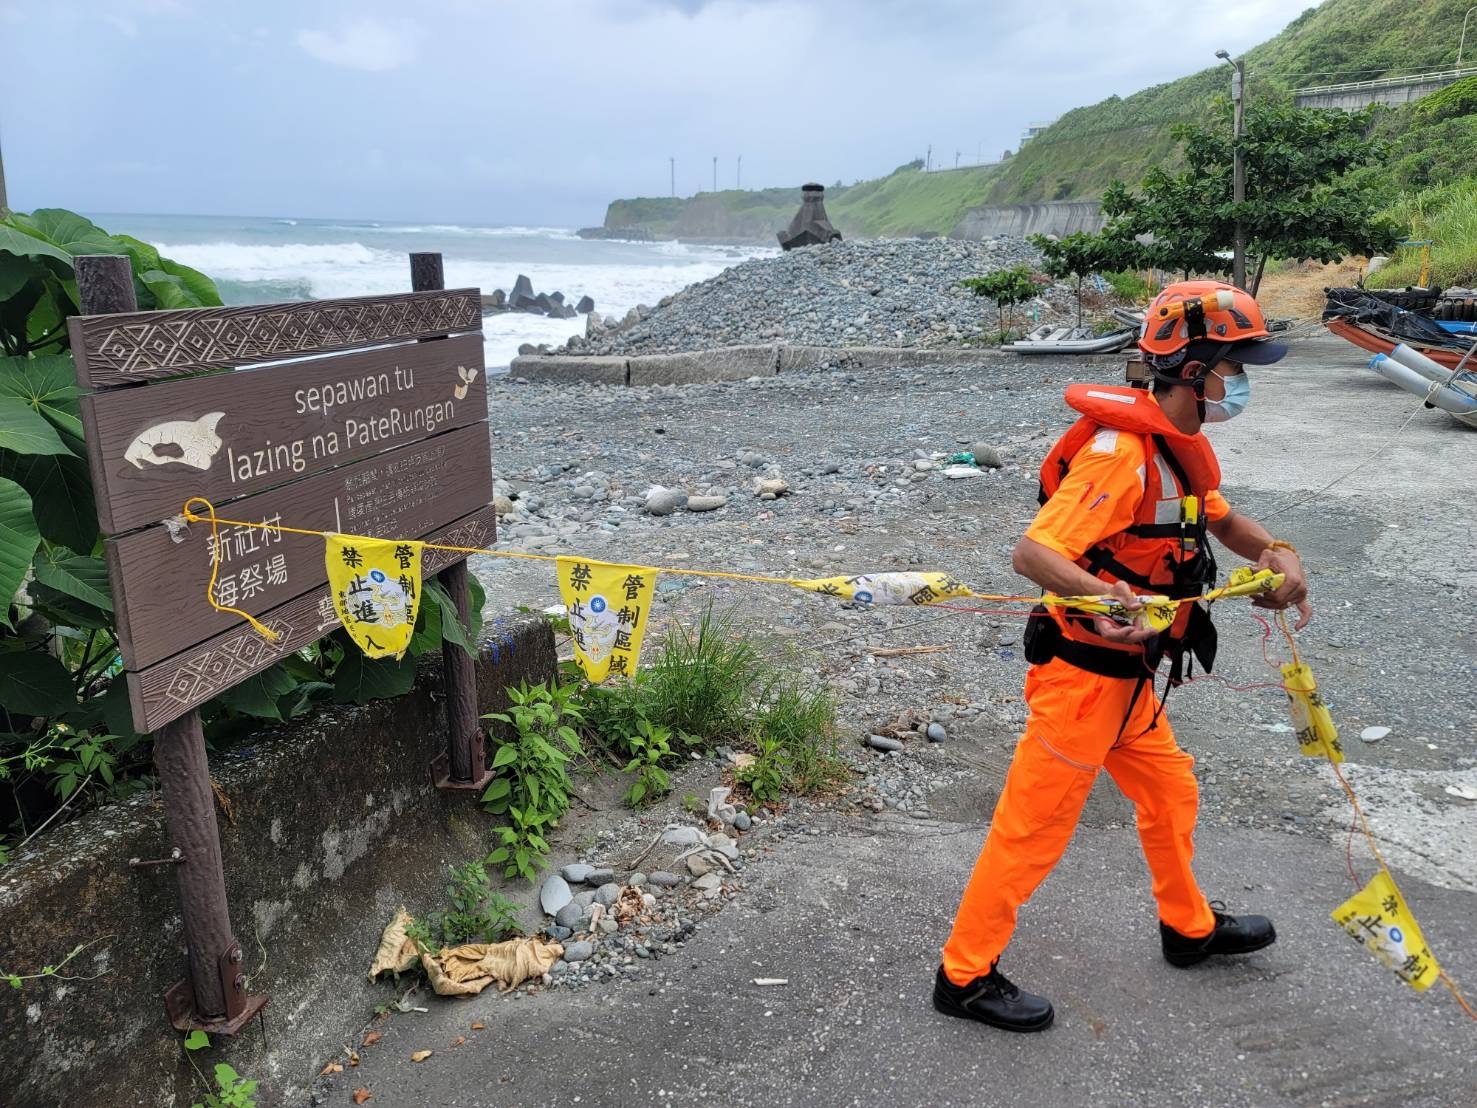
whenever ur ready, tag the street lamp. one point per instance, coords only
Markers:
(1462, 42)
(1238, 164)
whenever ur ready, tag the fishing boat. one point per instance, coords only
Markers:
(1378, 324)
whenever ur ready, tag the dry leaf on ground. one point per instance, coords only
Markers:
(478, 1026)
(332, 1067)
(420, 1055)
(361, 1095)
(353, 1057)
(459, 1040)
(372, 1038)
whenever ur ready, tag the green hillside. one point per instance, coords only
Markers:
(1121, 137)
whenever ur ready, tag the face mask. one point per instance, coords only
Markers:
(1238, 395)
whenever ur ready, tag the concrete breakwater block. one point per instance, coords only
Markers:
(729, 363)
(556, 369)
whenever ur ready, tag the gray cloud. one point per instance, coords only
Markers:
(514, 113)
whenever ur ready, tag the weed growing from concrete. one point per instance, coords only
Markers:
(532, 764)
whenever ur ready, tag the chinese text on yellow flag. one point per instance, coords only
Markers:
(376, 587)
(1315, 730)
(609, 607)
(889, 588)
(1378, 918)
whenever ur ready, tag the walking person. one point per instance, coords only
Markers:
(1129, 497)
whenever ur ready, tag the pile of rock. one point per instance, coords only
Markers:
(893, 292)
(609, 921)
(524, 299)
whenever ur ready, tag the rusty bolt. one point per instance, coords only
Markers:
(240, 983)
(236, 954)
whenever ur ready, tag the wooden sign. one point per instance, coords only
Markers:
(159, 572)
(165, 691)
(229, 435)
(390, 441)
(128, 347)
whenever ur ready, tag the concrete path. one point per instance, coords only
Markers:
(853, 914)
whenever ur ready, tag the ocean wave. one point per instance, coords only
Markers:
(463, 229)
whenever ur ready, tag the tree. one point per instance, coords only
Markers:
(1080, 254)
(1007, 287)
(1302, 201)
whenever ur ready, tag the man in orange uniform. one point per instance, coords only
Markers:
(1127, 498)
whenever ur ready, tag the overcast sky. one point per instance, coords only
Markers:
(540, 112)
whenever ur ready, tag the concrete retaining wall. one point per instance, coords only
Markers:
(732, 363)
(333, 824)
(1058, 217)
(1352, 97)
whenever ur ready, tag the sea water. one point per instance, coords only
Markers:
(260, 260)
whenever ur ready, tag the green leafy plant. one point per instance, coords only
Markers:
(793, 738)
(18, 980)
(532, 765)
(1079, 255)
(66, 732)
(650, 746)
(1007, 287)
(475, 914)
(231, 1089)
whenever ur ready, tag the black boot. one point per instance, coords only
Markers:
(1232, 935)
(994, 1000)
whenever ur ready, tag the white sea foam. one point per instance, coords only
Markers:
(358, 260)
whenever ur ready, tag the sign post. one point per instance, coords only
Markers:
(213, 997)
(386, 439)
(463, 767)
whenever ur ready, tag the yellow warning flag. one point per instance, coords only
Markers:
(609, 608)
(1315, 730)
(376, 588)
(1378, 919)
(889, 588)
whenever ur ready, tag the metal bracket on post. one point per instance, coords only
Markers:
(462, 767)
(241, 1007)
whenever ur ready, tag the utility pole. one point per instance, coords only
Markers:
(738, 174)
(928, 161)
(956, 159)
(1238, 164)
(4, 206)
(672, 165)
(715, 172)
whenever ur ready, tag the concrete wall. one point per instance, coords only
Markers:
(1059, 217)
(1353, 98)
(333, 824)
(732, 363)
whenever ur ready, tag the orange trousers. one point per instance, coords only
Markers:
(1072, 732)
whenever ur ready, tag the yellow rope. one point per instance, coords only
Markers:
(1374, 846)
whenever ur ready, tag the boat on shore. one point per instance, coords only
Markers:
(1071, 340)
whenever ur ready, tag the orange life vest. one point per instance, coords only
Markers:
(1163, 551)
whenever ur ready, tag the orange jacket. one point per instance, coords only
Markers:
(1114, 489)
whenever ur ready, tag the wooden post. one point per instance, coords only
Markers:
(213, 997)
(464, 765)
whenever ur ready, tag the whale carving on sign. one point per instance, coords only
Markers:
(190, 442)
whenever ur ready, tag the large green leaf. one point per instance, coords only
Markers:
(427, 635)
(49, 385)
(76, 575)
(61, 496)
(16, 241)
(359, 679)
(116, 708)
(18, 541)
(452, 628)
(69, 231)
(33, 683)
(62, 610)
(15, 271)
(25, 431)
(259, 694)
(200, 287)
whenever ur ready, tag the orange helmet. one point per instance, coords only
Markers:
(1205, 321)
